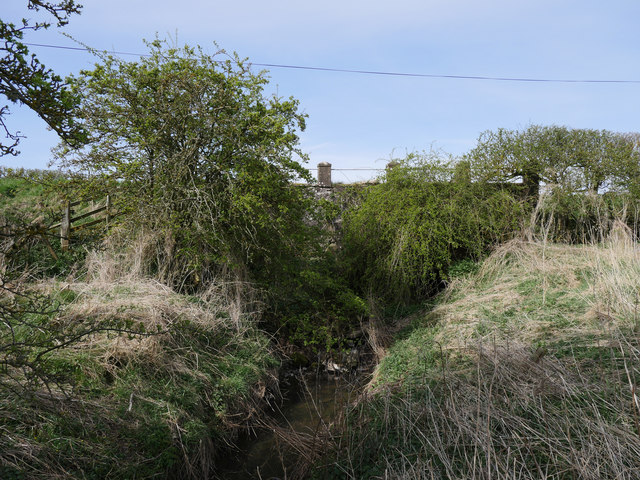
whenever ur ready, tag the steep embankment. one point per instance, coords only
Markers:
(526, 369)
(120, 377)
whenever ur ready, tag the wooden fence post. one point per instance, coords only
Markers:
(108, 219)
(65, 227)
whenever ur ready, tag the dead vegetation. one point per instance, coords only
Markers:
(157, 391)
(511, 415)
(526, 370)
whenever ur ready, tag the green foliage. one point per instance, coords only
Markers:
(462, 268)
(573, 160)
(317, 308)
(122, 403)
(401, 238)
(194, 148)
(26, 81)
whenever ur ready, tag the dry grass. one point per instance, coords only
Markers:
(510, 417)
(159, 392)
(536, 292)
(526, 370)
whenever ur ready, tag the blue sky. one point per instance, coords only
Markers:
(360, 121)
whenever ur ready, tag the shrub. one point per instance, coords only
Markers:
(404, 233)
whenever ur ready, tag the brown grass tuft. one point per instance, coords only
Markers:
(158, 391)
(532, 291)
(526, 370)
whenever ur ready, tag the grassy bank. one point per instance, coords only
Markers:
(156, 389)
(128, 357)
(526, 369)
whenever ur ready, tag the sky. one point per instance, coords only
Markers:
(361, 121)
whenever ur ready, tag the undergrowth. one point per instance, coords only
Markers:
(160, 397)
(526, 369)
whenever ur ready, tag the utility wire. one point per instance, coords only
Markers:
(379, 73)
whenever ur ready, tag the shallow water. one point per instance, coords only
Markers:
(307, 404)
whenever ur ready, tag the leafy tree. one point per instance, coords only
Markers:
(25, 80)
(574, 165)
(573, 159)
(196, 149)
(191, 148)
(425, 215)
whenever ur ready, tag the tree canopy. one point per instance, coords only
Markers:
(195, 148)
(405, 233)
(574, 159)
(25, 80)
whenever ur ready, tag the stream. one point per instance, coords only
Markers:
(310, 402)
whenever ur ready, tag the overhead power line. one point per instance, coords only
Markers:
(433, 75)
(352, 169)
(376, 72)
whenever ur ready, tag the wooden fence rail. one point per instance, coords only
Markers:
(66, 225)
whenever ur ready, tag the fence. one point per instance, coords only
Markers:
(324, 172)
(68, 219)
(66, 225)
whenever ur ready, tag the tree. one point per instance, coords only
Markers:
(25, 80)
(405, 233)
(591, 177)
(573, 159)
(195, 149)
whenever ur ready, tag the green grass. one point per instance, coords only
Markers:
(30, 200)
(126, 405)
(15, 192)
(522, 370)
